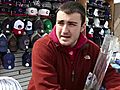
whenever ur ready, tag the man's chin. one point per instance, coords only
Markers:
(65, 43)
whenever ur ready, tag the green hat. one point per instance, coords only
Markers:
(47, 25)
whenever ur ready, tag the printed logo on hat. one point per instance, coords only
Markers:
(28, 27)
(44, 12)
(32, 11)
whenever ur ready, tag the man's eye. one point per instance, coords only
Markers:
(71, 24)
(60, 23)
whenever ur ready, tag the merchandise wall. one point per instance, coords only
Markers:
(22, 22)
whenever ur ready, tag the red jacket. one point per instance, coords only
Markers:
(54, 68)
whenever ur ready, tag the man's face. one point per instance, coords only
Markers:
(68, 28)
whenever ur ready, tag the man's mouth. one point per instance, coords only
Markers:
(65, 36)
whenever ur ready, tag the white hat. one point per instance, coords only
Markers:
(44, 12)
(32, 11)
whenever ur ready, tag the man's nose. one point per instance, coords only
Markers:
(65, 29)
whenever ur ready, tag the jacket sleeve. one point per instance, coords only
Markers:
(43, 72)
(112, 79)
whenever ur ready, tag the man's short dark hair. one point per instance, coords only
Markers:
(73, 7)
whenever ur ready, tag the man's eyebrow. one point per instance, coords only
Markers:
(60, 20)
(71, 22)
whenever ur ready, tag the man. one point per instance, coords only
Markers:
(60, 60)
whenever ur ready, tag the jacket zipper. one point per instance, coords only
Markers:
(73, 76)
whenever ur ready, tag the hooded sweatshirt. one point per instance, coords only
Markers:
(55, 67)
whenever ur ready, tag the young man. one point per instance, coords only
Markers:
(59, 59)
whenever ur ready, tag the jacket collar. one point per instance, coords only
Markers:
(81, 41)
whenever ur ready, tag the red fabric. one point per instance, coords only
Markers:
(52, 68)
(18, 32)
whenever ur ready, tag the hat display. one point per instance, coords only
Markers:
(8, 61)
(47, 25)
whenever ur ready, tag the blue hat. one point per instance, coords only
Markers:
(3, 43)
(28, 27)
(26, 59)
(8, 61)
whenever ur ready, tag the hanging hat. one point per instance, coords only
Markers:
(6, 26)
(32, 11)
(26, 59)
(46, 4)
(18, 27)
(44, 12)
(35, 36)
(8, 61)
(23, 42)
(38, 26)
(28, 27)
(47, 25)
(12, 43)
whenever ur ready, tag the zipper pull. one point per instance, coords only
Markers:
(73, 75)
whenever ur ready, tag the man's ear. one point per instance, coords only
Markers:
(83, 28)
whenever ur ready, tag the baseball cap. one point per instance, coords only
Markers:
(8, 61)
(47, 25)
(35, 36)
(28, 27)
(12, 43)
(18, 27)
(26, 59)
(23, 42)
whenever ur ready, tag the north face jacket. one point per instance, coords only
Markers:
(53, 67)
